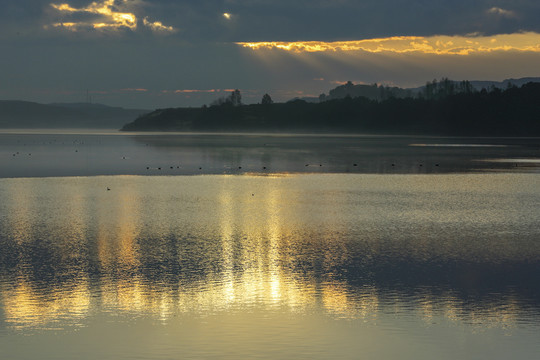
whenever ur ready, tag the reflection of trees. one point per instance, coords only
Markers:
(371, 154)
(169, 245)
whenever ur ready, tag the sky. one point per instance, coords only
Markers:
(170, 53)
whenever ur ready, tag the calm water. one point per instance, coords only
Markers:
(88, 154)
(292, 261)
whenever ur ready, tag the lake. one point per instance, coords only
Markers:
(192, 246)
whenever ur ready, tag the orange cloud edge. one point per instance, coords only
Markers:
(437, 44)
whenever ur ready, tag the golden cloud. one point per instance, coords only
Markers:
(110, 17)
(158, 26)
(438, 45)
(188, 91)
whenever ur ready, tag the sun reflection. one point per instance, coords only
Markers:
(226, 222)
(20, 218)
(250, 251)
(127, 226)
(274, 236)
(27, 306)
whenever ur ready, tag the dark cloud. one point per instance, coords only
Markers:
(42, 62)
(282, 20)
(286, 20)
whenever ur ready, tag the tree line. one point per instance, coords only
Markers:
(445, 108)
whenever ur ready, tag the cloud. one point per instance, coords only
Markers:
(502, 12)
(264, 20)
(202, 54)
(329, 20)
(158, 27)
(196, 91)
(109, 16)
(438, 45)
(190, 91)
(105, 15)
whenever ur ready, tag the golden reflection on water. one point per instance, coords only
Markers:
(118, 229)
(248, 236)
(26, 306)
(19, 200)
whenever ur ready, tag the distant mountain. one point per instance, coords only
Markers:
(479, 85)
(381, 92)
(26, 114)
(86, 106)
(488, 84)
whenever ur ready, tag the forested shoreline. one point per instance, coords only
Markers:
(495, 112)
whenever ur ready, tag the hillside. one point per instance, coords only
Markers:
(25, 114)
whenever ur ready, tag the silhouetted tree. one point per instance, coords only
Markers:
(430, 89)
(236, 98)
(266, 100)
(465, 87)
(446, 88)
(509, 85)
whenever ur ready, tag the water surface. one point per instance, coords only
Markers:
(24, 154)
(265, 246)
(288, 266)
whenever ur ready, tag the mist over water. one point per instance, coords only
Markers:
(88, 154)
(354, 258)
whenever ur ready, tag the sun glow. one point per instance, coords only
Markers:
(114, 19)
(437, 45)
